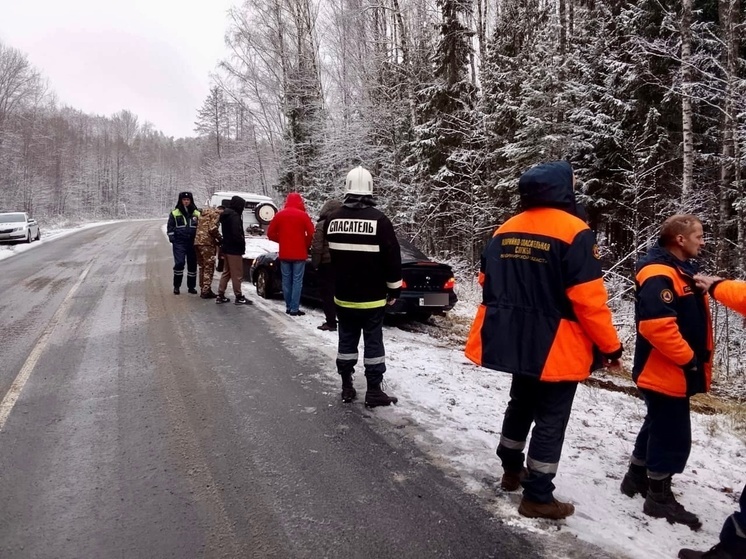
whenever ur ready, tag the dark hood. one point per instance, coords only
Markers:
(329, 207)
(359, 201)
(294, 200)
(548, 185)
(237, 204)
(658, 254)
(182, 209)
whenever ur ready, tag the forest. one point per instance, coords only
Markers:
(447, 102)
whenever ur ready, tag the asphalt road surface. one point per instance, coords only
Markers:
(137, 423)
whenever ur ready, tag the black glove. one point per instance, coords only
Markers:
(695, 377)
(614, 355)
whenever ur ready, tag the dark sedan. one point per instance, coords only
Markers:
(427, 286)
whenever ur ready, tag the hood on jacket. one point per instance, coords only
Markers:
(658, 254)
(329, 207)
(294, 200)
(179, 205)
(237, 204)
(548, 185)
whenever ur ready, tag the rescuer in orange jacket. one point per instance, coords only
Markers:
(672, 362)
(732, 544)
(544, 306)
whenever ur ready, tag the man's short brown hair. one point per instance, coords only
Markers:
(679, 224)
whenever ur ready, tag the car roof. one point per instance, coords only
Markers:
(245, 195)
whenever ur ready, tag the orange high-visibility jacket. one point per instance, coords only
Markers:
(544, 304)
(674, 344)
(731, 293)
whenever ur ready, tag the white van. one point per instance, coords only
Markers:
(258, 213)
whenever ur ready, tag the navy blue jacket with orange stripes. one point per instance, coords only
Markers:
(674, 344)
(544, 304)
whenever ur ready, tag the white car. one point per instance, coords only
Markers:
(258, 213)
(18, 226)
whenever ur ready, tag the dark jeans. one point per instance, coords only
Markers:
(665, 437)
(350, 324)
(184, 253)
(547, 405)
(326, 290)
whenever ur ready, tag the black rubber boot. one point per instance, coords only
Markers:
(375, 397)
(717, 552)
(661, 503)
(635, 481)
(348, 390)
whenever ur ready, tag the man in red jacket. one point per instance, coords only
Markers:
(292, 229)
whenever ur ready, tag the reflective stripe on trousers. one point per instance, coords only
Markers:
(351, 323)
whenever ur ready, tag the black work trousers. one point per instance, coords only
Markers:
(665, 438)
(368, 322)
(547, 405)
(325, 274)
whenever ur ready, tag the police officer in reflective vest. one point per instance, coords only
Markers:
(182, 228)
(544, 307)
(366, 262)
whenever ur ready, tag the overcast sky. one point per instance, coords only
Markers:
(151, 57)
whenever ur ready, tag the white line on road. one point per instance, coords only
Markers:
(14, 392)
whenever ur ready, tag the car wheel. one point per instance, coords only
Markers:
(38, 234)
(28, 236)
(262, 284)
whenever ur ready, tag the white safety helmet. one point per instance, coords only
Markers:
(359, 181)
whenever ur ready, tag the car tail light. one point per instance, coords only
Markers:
(403, 284)
(450, 283)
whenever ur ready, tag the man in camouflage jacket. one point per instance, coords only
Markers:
(206, 245)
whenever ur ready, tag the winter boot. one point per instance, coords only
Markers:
(635, 481)
(220, 299)
(717, 552)
(661, 503)
(511, 481)
(241, 300)
(348, 390)
(192, 290)
(176, 291)
(556, 510)
(327, 327)
(375, 397)
(208, 295)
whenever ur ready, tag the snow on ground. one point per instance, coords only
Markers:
(48, 233)
(454, 410)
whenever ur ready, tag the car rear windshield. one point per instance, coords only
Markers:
(12, 218)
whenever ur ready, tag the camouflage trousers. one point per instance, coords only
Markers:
(206, 261)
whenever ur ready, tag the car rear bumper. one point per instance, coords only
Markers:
(424, 302)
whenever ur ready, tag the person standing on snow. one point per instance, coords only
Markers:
(292, 229)
(181, 229)
(321, 260)
(206, 244)
(544, 306)
(366, 260)
(673, 355)
(732, 544)
(233, 247)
